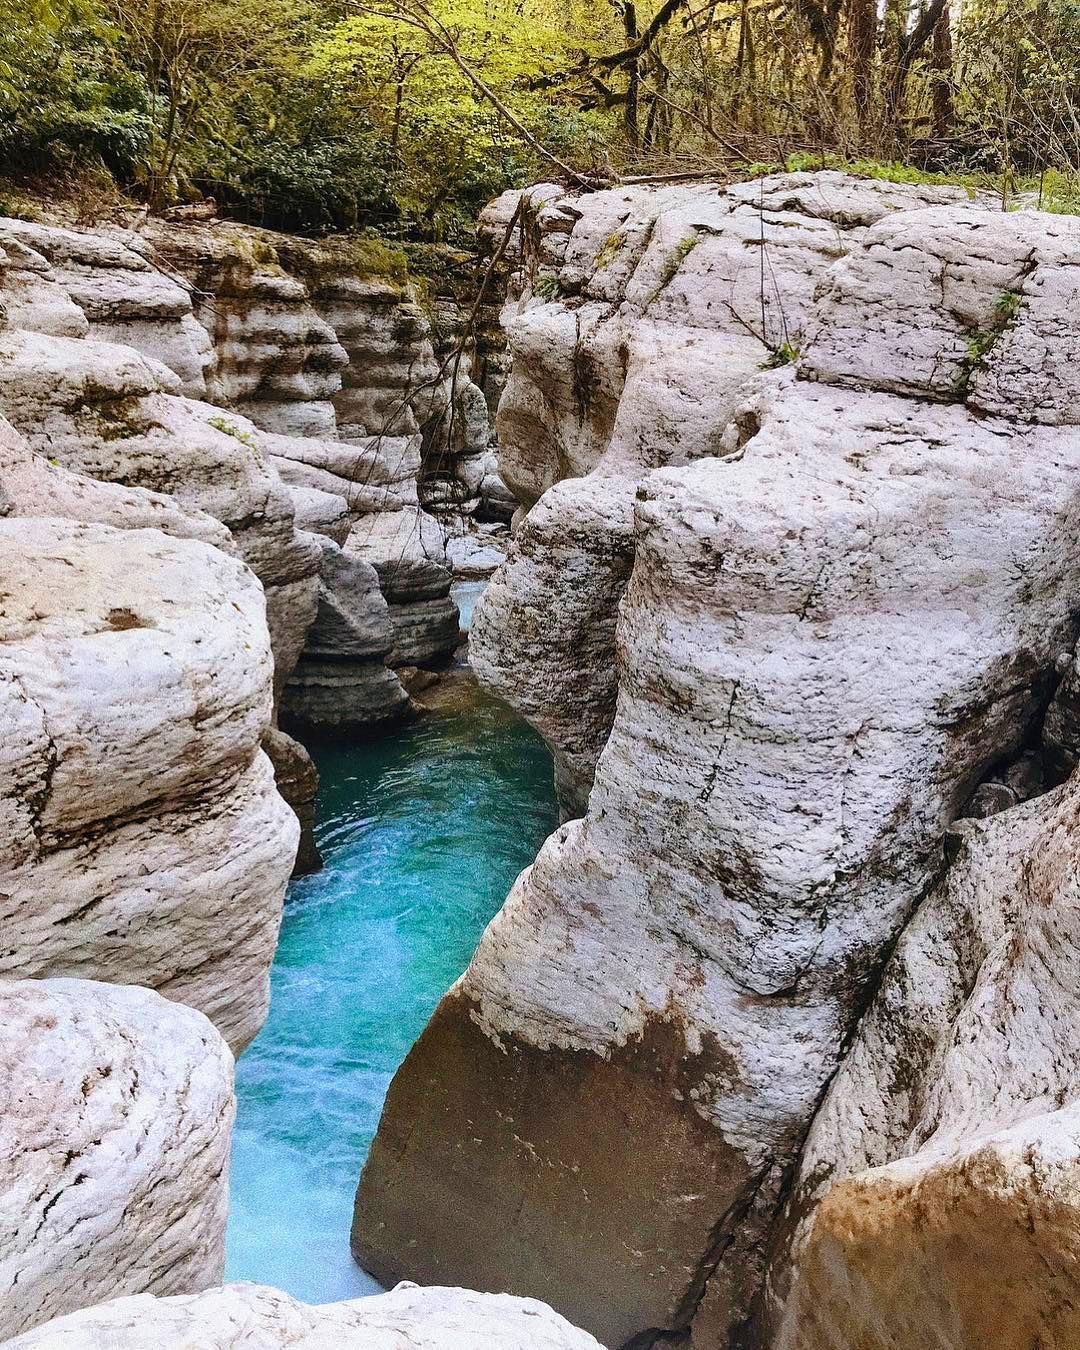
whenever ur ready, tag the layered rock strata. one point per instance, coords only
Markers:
(113, 1154)
(407, 550)
(839, 621)
(259, 1318)
(343, 680)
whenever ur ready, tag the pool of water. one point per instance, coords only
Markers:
(423, 833)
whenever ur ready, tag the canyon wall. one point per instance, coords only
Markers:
(144, 842)
(291, 391)
(190, 545)
(795, 600)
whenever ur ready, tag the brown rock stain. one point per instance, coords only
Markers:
(590, 1183)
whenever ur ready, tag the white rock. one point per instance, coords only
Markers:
(258, 1318)
(145, 840)
(114, 1146)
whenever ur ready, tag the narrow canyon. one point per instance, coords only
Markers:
(678, 950)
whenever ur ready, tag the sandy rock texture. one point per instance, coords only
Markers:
(845, 613)
(646, 314)
(936, 1197)
(145, 841)
(113, 1155)
(259, 1318)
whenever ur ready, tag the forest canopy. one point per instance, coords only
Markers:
(406, 115)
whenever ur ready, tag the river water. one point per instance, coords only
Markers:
(423, 833)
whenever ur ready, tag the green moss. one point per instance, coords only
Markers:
(15, 207)
(610, 249)
(237, 433)
(114, 419)
(672, 263)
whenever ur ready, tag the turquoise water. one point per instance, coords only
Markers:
(423, 833)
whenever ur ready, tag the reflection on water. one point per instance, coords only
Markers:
(423, 833)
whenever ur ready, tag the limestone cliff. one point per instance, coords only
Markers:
(819, 437)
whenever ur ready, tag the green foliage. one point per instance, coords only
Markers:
(223, 424)
(65, 93)
(982, 341)
(406, 116)
(784, 355)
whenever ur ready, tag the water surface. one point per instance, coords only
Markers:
(423, 833)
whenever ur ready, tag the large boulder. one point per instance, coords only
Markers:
(274, 358)
(145, 841)
(938, 1195)
(257, 1318)
(114, 1148)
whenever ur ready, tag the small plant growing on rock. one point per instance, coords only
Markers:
(783, 355)
(982, 342)
(548, 288)
(237, 433)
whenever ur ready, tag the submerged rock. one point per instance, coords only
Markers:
(113, 1153)
(258, 1318)
(839, 620)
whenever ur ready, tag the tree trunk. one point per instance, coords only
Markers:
(862, 39)
(944, 111)
(633, 77)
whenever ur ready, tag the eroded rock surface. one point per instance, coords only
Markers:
(839, 620)
(936, 1197)
(145, 840)
(647, 314)
(259, 1318)
(113, 1154)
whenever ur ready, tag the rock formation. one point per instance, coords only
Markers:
(849, 536)
(936, 1197)
(343, 680)
(257, 1318)
(145, 842)
(113, 1155)
(645, 313)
